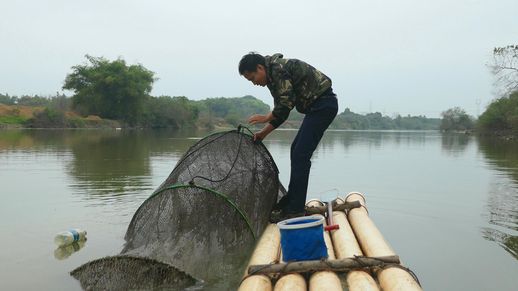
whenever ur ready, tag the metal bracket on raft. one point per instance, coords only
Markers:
(336, 207)
(359, 262)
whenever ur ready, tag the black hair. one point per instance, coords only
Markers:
(249, 62)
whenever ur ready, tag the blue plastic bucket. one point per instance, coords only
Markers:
(302, 238)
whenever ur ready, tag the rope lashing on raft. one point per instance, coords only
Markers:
(356, 262)
(408, 270)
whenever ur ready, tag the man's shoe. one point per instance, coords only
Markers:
(283, 202)
(279, 215)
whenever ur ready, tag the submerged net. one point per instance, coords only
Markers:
(127, 273)
(203, 220)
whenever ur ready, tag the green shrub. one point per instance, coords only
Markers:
(501, 114)
(48, 118)
(456, 119)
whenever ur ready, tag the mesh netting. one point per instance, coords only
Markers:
(205, 217)
(131, 273)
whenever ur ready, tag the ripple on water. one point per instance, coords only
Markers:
(502, 215)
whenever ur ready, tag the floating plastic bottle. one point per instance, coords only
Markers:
(70, 236)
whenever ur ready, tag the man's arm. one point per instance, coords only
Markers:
(284, 103)
(259, 118)
(278, 115)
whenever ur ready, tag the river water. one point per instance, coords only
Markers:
(447, 204)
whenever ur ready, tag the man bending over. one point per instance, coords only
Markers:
(292, 83)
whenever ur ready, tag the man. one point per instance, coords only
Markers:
(292, 83)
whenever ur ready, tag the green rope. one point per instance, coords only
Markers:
(218, 194)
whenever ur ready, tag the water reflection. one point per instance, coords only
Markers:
(455, 143)
(503, 197)
(103, 164)
(110, 163)
(36, 140)
(63, 252)
(376, 139)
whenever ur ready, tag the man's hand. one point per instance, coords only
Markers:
(257, 118)
(260, 118)
(260, 135)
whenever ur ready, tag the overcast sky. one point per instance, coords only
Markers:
(408, 57)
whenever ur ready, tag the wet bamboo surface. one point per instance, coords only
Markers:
(325, 280)
(291, 282)
(357, 235)
(266, 252)
(346, 246)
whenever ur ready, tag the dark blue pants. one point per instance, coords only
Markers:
(317, 120)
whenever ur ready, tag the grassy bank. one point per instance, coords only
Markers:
(20, 116)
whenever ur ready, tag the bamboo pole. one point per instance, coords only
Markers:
(266, 252)
(256, 283)
(291, 282)
(374, 245)
(324, 280)
(346, 246)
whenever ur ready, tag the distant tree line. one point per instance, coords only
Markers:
(157, 112)
(118, 91)
(180, 112)
(56, 101)
(114, 90)
(377, 121)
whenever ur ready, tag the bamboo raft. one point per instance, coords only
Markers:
(359, 257)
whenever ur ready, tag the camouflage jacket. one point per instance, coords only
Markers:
(293, 83)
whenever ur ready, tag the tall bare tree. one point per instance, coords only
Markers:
(505, 68)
